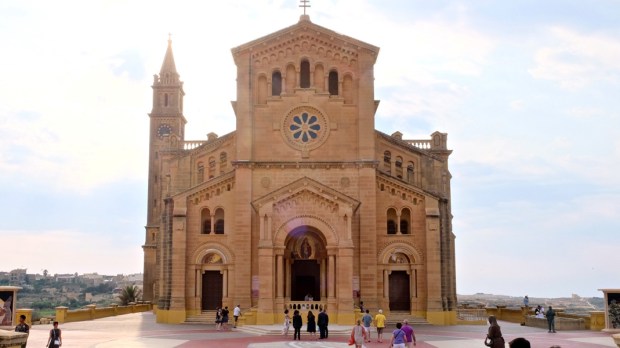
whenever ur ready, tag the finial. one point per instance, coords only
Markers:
(305, 4)
(169, 39)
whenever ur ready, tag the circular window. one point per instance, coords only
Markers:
(305, 128)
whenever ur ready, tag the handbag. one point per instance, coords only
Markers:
(488, 341)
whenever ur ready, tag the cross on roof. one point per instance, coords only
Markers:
(305, 4)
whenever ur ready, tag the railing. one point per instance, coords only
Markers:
(420, 144)
(469, 316)
(304, 306)
(192, 144)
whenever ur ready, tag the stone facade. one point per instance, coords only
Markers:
(305, 197)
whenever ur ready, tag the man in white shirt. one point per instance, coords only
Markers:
(236, 314)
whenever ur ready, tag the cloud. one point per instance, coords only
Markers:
(575, 60)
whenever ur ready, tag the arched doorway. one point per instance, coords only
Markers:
(212, 282)
(305, 251)
(399, 283)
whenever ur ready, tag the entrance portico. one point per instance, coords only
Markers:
(305, 250)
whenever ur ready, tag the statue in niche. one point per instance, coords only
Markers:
(305, 249)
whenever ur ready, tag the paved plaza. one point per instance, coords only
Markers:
(141, 330)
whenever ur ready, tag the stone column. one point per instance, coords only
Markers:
(331, 277)
(280, 276)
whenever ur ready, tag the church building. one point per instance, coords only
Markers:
(305, 205)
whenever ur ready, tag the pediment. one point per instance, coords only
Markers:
(306, 36)
(333, 199)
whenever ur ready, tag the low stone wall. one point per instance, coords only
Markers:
(91, 312)
(12, 339)
(561, 323)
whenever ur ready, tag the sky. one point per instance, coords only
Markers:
(528, 92)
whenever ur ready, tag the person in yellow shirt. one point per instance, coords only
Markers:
(380, 323)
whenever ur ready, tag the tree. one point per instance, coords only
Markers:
(614, 313)
(130, 293)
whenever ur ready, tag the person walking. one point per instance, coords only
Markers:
(367, 320)
(358, 335)
(380, 324)
(55, 339)
(236, 314)
(22, 327)
(551, 319)
(218, 318)
(409, 334)
(494, 337)
(225, 313)
(398, 337)
(297, 324)
(311, 325)
(322, 323)
(287, 323)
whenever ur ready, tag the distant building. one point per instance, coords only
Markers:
(18, 276)
(304, 196)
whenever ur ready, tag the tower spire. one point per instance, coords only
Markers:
(168, 65)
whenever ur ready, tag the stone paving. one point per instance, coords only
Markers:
(140, 330)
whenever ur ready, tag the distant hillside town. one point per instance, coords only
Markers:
(44, 292)
(574, 304)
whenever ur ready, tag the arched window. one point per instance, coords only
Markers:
(219, 221)
(391, 221)
(205, 218)
(333, 83)
(223, 162)
(410, 172)
(276, 83)
(399, 167)
(201, 172)
(166, 99)
(211, 167)
(387, 162)
(304, 74)
(405, 221)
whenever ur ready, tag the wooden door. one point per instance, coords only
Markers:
(212, 285)
(400, 296)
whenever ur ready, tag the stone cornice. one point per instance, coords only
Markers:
(306, 164)
(332, 39)
(300, 186)
(404, 187)
(197, 193)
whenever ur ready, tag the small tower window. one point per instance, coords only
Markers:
(166, 99)
(276, 83)
(304, 78)
(333, 83)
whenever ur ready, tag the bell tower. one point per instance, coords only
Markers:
(166, 133)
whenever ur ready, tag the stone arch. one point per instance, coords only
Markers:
(213, 248)
(415, 257)
(328, 231)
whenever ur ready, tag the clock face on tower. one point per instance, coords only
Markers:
(164, 130)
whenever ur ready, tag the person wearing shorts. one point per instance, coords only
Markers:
(367, 320)
(380, 324)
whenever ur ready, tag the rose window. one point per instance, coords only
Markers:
(305, 127)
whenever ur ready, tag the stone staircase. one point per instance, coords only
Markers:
(398, 317)
(206, 317)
